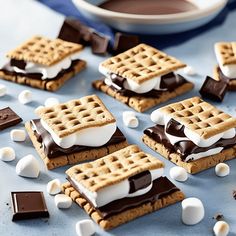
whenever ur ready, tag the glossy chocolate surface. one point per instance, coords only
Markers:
(8, 118)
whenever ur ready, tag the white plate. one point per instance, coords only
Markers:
(152, 24)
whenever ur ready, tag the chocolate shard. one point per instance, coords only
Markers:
(99, 43)
(18, 63)
(213, 89)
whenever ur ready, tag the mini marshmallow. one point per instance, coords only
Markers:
(85, 228)
(49, 102)
(38, 108)
(3, 90)
(222, 170)
(28, 167)
(25, 97)
(63, 201)
(192, 211)
(54, 187)
(221, 228)
(130, 120)
(18, 135)
(7, 154)
(189, 70)
(178, 173)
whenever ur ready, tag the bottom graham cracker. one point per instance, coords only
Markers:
(192, 167)
(50, 84)
(141, 103)
(125, 216)
(74, 158)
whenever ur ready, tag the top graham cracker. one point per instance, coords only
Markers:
(113, 168)
(226, 52)
(142, 63)
(200, 117)
(44, 51)
(67, 118)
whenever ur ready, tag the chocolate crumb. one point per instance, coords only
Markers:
(218, 216)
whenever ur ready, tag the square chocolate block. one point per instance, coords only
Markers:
(8, 118)
(99, 43)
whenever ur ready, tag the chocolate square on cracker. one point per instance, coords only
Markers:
(43, 63)
(121, 187)
(142, 77)
(193, 134)
(79, 130)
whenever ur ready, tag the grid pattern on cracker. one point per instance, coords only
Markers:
(113, 168)
(67, 118)
(44, 51)
(200, 117)
(142, 63)
(227, 52)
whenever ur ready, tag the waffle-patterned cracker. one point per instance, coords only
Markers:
(227, 52)
(113, 168)
(44, 51)
(142, 63)
(68, 118)
(200, 117)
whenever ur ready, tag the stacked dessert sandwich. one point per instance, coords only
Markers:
(120, 187)
(142, 77)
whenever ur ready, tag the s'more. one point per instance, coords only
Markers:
(193, 134)
(75, 131)
(120, 187)
(43, 63)
(142, 77)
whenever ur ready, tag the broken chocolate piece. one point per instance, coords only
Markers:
(8, 118)
(18, 63)
(218, 216)
(99, 43)
(234, 194)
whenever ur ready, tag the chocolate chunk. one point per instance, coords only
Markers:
(8, 118)
(173, 127)
(124, 42)
(234, 194)
(218, 216)
(213, 89)
(18, 63)
(99, 43)
(28, 205)
(170, 81)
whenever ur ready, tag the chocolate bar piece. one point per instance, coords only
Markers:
(99, 43)
(28, 205)
(8, 118)
(213, 89)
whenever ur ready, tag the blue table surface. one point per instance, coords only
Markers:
(18, 20)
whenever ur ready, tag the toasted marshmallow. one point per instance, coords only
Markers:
(221, 228)
(222, 170)
(7, 154)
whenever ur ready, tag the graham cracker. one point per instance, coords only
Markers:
(74, 158)
(192, 167)
(141, 103)
(67, 118)
(113, 168)
(44, 51)
(48, 84)
(142, 63)
(125, 216)
(226, 53)
(200, 117)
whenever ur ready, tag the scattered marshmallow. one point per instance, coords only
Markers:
(54, 187)
(49, 102)
(28, 167)
(221, 228)
(178, 173)
(38, 108)
(3, 90)
(192, 211)
(7, 154)
(222, 170)
(25, 97)
(85, 228)
(130, 120)
(63, 201)
(18, 135)
(189, 70)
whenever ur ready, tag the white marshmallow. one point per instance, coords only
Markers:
(3, 90)
(49, 102)
(37, 109)
(85, 228)
(25, 97)
(189, 70)
(7, 154)
(178, 173)
(192, 211)
(221, 228)
(222, 170)
(130, 120)
(28, 167)
(18, 135)
(54, 187)
(63, 201)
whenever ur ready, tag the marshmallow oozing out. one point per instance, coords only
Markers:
(54, 187)
(25, 97)
(3, 90)
(221, 228)
(18, 135)
(130, 120)
(62, 201)
(178, 173)
(222, 170)
(7, 154)
(85, 227)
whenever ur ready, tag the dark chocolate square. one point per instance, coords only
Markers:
(28, 205)
(8, 118)
(99, 43)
